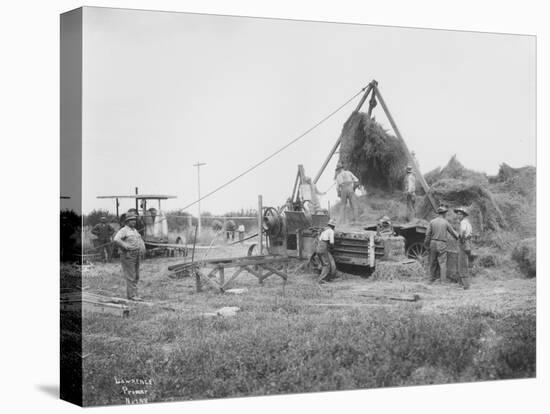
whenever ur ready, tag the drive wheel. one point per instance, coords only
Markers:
(417, 251)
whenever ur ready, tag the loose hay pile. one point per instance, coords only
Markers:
(377, 158)
(525, 254)
(456, 186)
(398, 271)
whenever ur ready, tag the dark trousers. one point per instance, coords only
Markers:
(130, 270)
(438, 260)
(464, 252)
(106, 249)
(328, 266)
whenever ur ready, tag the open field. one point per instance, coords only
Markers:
(302, 337)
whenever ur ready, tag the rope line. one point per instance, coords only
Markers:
(278, 151)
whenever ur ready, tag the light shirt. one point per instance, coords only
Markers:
(346, 176)
(465, 230)
(410, 183)
(129, 239)
(327, 235)
(241, 228)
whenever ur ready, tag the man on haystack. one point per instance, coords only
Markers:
(346, 184)
(436, 242)
(464, 247)
(324, 245)
(131, 246)
(410, 193)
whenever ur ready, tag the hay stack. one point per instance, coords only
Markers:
(525, 254)
(377, 158)
(457, 186)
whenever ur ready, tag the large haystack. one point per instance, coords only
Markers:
(377, 158)
(457, 186)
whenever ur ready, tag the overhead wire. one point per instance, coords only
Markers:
(253, 167)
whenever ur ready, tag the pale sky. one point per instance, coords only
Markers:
(162, 91)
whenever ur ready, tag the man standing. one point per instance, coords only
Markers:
(309, 192)
(464, 246)
(436, 242)
(240, 229)
(410, 192)
(131, 245)
(384, 227)
(346, 183)
(230, 228)
(104, 231)
(324, 245)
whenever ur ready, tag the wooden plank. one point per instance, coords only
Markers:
(210, 281)
(413, 164)
(275, 271)
(232, 278)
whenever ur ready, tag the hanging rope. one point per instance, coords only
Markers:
(276, 152)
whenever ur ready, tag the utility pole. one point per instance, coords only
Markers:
(198, 165)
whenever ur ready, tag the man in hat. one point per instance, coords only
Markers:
(436, 242)
(464, 246)
(346, 184)
(131, 245)
(410, 193)
(385, 227)
(324, 245)
(104, 232)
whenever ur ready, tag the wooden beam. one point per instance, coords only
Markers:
(420, 177)
(337, 143)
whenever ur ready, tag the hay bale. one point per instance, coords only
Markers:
(377, 158)
(398, 271)
(394, 247)
(525, 254)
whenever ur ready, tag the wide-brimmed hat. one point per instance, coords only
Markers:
(409, 168)
(385, 219)
(332, 223)
(130, 216)
(441, 210)
(461, 210)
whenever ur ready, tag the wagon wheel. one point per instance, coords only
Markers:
(418, 251)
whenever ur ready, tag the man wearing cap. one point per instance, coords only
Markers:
(346, 183)
(104, 231)
(410, 192)
(384, 227)
(324, 245)
(436, 242)
(464, 246)
(131, 245)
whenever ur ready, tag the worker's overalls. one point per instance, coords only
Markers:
(348, 193)
(438, 259)
(129, 259)
(328, 266)
(411, 205)
(464, 252)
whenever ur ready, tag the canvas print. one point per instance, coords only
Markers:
(256, 206)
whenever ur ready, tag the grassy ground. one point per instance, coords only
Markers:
(302, 337)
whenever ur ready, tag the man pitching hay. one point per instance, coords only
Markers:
(436, 242)
(410, 193)
(131, 245)
(346, 183)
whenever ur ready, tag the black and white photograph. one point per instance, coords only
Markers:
(255, 206)
(289, 206)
